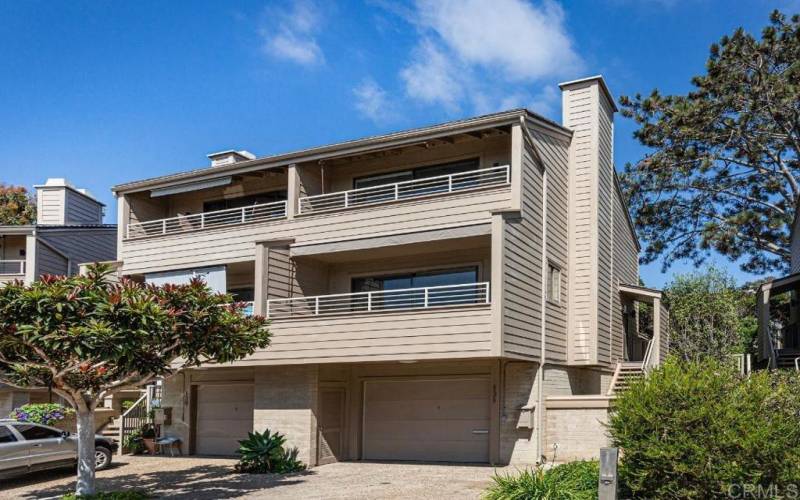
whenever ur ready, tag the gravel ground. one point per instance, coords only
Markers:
(199, 478)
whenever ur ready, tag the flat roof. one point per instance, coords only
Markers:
(347, 148)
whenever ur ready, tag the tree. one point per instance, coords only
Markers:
(17, 207)
(88, 336)
(724, 173)
(710, 317)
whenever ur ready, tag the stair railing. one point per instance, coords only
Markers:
(614, 379)
(139, 413)
(648, 355)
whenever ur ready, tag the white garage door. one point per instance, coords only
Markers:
(444, 420)
(224, 416)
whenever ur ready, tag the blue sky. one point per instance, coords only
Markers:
(108, 92)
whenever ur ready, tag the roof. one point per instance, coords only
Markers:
(60, 182)
(31, 228)
(346, 148)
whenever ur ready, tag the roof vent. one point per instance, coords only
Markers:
(230, 156)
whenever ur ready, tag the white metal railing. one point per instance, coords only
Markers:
(743, 363)
(648, 355)
(208, 220)
(12, 267)
(442, 184)
(382, 300)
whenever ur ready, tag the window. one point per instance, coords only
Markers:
(390, 299)
(32, 432)
(418, 173)
(6, 436)
(553, 283)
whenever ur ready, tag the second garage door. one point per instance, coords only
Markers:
(441, 420)
(224, 417)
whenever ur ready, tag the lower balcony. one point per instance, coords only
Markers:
(11, 270)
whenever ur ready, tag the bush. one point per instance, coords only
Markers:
(110, 495)
(265, 452)
(571, 481)
(693, 430)
(42, 413)
(133, 442)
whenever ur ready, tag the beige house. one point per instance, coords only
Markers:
(69, 230)
(463, 292)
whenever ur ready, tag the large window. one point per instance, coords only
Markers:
(394, 292)
(417, 173)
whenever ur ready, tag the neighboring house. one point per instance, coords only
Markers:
(69, 230)
(778, 313)
(463, 292)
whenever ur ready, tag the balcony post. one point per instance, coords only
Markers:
(293, 184)
(202, 220)
(164, 226)
(316, 306)
(426, 298)
(369, 301)
(486, 288)
(346, 199)
(449, 183)
(396, 192)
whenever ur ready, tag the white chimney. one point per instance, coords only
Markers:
(230, 156)
(60, 203)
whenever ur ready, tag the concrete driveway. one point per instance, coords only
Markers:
(213, 478)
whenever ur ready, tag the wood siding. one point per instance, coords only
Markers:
(626, 270)
(457, 332)
(237, 243)
(606, 288)
(50, 206)
(81, 244)
(80, 209)
(554, 151)
(49, 261)
(522, 273)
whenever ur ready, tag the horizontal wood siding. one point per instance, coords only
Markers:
(49, 262)
(522, 286)
(626, 269)
(555, 153)
(82, 210)
(237, 243)
(605, 245)
(50, 206)
(423, 334)
(580, 115)
(291, 278)
(82, 245)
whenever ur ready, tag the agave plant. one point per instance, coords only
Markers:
(264, 452)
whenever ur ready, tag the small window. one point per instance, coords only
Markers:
(6, 436)
(553, 283)
(33, 432)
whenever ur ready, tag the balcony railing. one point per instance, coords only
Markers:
(12, 267)
(208, 220)
(381, 300)
(417, 188)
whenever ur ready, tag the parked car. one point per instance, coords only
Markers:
(27, 447)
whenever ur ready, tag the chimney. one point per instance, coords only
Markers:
(588, 110)
(60, 203)
(230, 156)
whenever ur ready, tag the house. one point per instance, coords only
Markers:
(69, 230)
(464, 292)
(778, 314)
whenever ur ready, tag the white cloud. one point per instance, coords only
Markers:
(373, 102)
(522, 40)
(486, 53)
(290, 34)
(431, 76)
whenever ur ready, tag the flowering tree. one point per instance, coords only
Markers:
(17, 207)
(88, 336)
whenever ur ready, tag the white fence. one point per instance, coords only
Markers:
(474, 179)
(382, 300)
(208, 220)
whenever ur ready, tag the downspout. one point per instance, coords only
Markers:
(540, 396)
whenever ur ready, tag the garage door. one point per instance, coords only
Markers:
(224, 416)
(444, 420)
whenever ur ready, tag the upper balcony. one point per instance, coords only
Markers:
(447, 183)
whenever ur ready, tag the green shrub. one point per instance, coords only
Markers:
(127, 405)
(110, 495)
(265, 452)
(571, 481)
(694, 430)
(133, 442)
(42, 413)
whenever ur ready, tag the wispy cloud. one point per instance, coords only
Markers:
(290, 34)
(373, 102)
(432, 77)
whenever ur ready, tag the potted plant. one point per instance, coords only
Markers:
(149, 438)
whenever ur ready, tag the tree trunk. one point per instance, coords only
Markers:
(85, 484)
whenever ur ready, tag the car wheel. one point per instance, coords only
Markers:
(102, 458)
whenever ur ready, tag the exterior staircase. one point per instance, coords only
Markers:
(625, 374)
(785, 358)
(111, 429)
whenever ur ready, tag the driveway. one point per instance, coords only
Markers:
(198, 478)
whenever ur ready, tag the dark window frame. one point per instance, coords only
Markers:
(474, 163)
(254, 196)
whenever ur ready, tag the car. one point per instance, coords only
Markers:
(28, 447)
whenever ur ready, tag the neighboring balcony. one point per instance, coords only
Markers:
(208, 220)
(406, 190)
(11, 270)
(380, 301)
